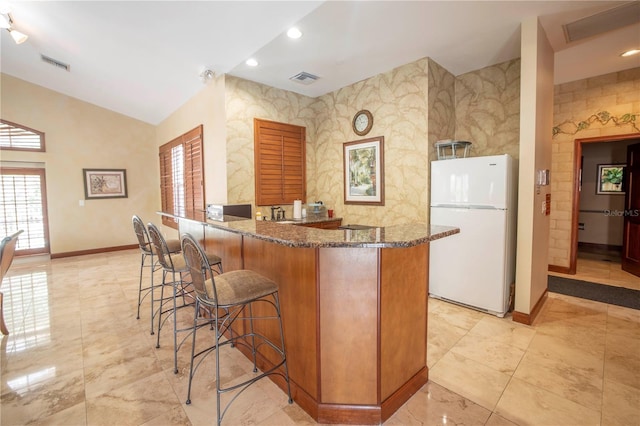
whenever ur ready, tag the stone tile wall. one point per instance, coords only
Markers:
(606, 105)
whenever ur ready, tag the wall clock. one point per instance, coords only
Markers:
(362, 122)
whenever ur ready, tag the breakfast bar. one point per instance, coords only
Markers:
(354, 308)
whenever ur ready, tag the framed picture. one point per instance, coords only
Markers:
(610, 179)
(364, 171)
(104, 183)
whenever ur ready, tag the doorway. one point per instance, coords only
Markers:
(23, 206)
(597, 218)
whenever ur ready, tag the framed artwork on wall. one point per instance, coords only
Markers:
(610, 179)
(364, 171)
(104, 183)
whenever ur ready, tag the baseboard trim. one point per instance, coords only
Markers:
(528, 319)
(600, 246)
(93, 251)
(559, 269)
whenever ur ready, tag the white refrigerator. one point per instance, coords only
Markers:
(477, 266)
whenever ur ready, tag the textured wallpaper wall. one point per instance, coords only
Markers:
(606, 105)
(244, 101)
(413, 106)
(488, 109)
(442, 106)
(398, 101)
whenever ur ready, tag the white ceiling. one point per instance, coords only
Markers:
(143, 58)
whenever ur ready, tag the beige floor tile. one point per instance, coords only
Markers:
(76, 416)
(496, 420)
(505, 331)
(620, 404)
(103, 377)
(602, 272)
(486, 351)
(580, 385)
(526, 404)
(622, 360)
(434, 404)
(26, 404)
(470, 379)
(174, 417)
(133, 404)
(291, 414)
(559, 349)
(458, 316)
(77, 356)
(623, 321)
(258, 402)
(441, 337)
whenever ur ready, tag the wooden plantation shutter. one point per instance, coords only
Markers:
(280, 162)
(193, 172)
(23, 205)
(182, 176)
(15, 137)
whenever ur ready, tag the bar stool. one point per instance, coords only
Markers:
(147, 252)
(174, 264)
(232, 294)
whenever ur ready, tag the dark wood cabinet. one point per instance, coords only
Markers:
(330, 224)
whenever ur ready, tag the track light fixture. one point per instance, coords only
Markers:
(6, 22)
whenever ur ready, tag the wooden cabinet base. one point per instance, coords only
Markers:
(354, 319)
(372, 414)
(346, 413)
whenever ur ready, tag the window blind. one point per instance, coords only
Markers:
(19, 138)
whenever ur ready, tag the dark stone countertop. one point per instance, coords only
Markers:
(292, 235)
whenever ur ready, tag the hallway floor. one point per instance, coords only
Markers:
(609, 272)
(76, 355)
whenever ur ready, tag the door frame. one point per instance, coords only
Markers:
(575, 212)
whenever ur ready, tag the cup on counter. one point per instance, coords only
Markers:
(330, 213)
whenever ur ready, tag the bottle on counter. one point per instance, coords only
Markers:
(258, 215)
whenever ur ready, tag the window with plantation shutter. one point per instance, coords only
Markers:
(20, 138)
(23, 205)
(280, 162)
(182, 176)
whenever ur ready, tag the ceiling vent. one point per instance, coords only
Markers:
(609, 20)
(55, 63)
(304, 78)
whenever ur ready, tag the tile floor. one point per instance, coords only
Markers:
(76, 355)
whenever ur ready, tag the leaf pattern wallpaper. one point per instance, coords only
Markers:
(413, 106)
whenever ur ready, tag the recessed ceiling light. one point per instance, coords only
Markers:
(631, 52)
(252, 62)
(294, 33)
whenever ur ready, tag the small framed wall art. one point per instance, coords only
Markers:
(104, 183)
(610, 179)
(364, 171)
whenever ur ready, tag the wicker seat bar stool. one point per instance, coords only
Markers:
(148, 260)
(229, 297)
(173, 264)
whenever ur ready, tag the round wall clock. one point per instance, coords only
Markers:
(362, 122)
